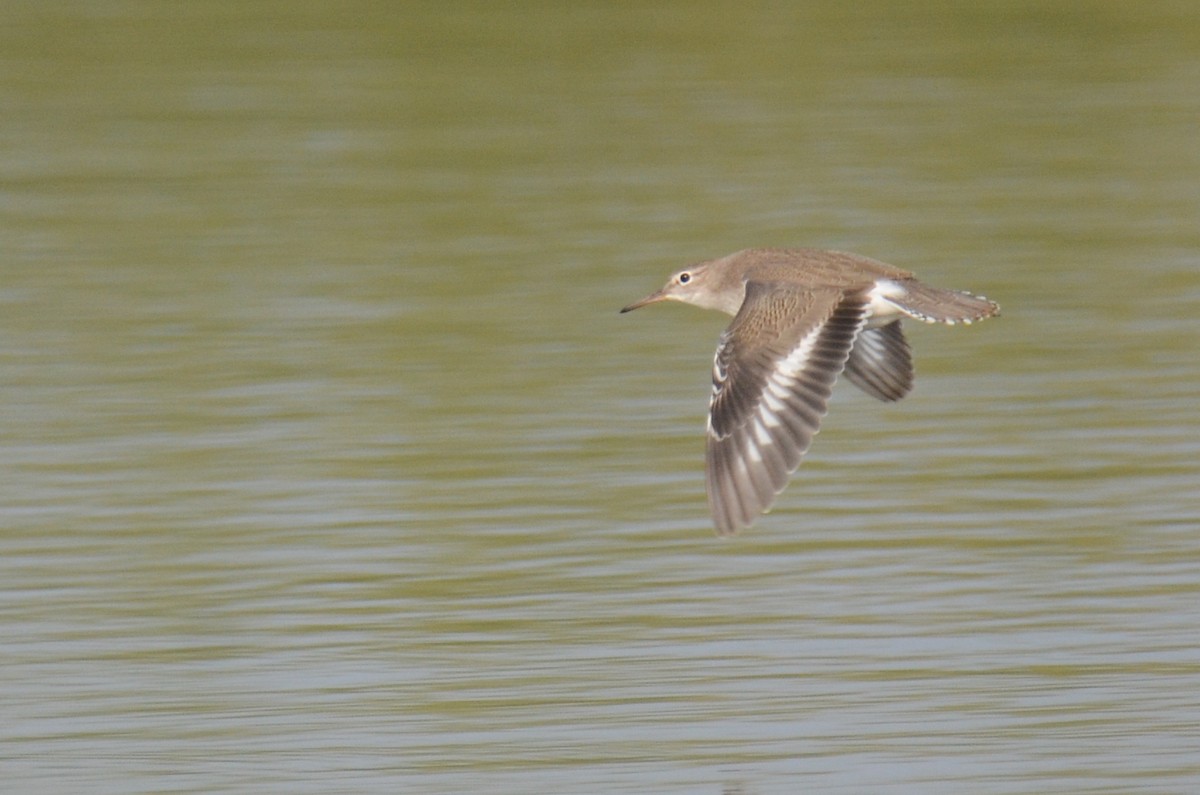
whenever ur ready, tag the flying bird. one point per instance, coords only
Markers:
(801, 317)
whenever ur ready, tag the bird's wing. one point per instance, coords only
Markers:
(774, 371)
(880, 362)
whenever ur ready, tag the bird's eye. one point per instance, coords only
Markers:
(685, 277)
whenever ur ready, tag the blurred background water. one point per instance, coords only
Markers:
(327, 464)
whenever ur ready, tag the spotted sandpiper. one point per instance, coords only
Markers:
(800, 318)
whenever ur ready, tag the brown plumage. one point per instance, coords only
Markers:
(801, 318)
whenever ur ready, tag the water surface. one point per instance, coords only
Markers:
(329, 466)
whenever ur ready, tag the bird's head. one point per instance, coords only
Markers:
(699, 285)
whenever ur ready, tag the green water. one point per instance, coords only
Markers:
(328, 465)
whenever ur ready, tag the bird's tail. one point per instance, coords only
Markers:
(935, 305)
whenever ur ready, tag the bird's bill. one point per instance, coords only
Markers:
(653, 298)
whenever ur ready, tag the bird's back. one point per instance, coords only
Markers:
(812, 267)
